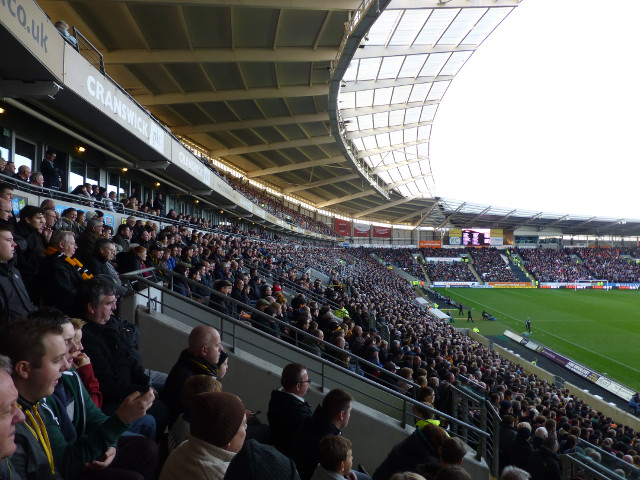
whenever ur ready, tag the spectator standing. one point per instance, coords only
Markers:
(52, 174)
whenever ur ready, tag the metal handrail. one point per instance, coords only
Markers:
(326, 365)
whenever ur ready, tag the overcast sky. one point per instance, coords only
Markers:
(545, 116)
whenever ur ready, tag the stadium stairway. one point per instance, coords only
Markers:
(256, 360)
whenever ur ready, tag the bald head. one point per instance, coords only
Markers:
(6, 209)
(204, 342)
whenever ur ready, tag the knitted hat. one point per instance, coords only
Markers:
(216, 417)
(256, 461)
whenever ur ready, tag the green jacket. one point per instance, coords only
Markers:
(87, 435)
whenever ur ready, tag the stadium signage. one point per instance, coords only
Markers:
(455, 284)
(28, 23)
(575, 367)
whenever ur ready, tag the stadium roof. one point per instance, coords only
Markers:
(267, 85)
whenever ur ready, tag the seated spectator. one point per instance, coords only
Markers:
(514, 473)
(63, 29)
(519, 452)
(257, 461)
(87, 240)
(287, 408)
(199, 358)
(31, 250)
(634, 402)
(419, 449)
(191, 388)
(36, 179)
(82, 364)
(110, 344)
(336, 459)
(100, 264)
(11, 416)
(61, 274)
(93, 436)
(544, 463)
(14, 299)
(38, 353)
(328, 419)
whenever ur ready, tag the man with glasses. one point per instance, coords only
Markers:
(287, 407)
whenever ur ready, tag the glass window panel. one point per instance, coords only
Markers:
(396, 138)
(401, 94)
(380, 120)
(383, 140)
(77, 173)
(434, 64)
(412, 115)
(390, 67)
(382, 96)
(364, 98)
(486, 24)
(25, 153)
(352, 71)
(359, 144)
(412, 65)
(5, 144)
(423, 132)
(93, 175)
(365, 122)
(404, 191)
(455, 63)
(368, 69)
(437, 90)
(347, 100)
(461, 26)
(382, 28)
(409, 26)
(428, 113)
(396, 117)
(410, 134)
(395, 175)
(385, 176)
(369, 143)
(414, 169)
(419, 92)
(436, 25)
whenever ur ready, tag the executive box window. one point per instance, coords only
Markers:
(25, 153)
(5, 144)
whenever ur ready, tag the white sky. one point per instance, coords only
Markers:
(545, 115)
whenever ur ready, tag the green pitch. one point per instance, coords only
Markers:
(600, 329)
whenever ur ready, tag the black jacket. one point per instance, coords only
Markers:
(286, 414)
(415, 450)
(186, 367)
(30, 255)
(116, 363)
(544, 465)
(14, 299)
(59, 281)
(305, 443)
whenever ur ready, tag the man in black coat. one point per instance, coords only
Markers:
(28, 237)
(14, 299)
(199, 358)
(544, 463)
(328, 419)
(287, 408)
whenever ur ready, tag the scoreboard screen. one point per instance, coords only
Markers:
(478, 237)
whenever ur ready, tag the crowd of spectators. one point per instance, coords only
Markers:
(607, 263)
(429, 355)
(551, 265)
(403, 258)
(490, 266)
(449, 272)
(277, 208)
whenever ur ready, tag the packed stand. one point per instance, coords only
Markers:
(551, 265)
(608, 264)
(449, 272)
(490, 266)
(442, 252)
(402, 258)
(276, 208)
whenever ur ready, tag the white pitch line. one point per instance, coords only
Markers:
(553, 335)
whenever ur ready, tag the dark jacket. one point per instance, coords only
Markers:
(29, 256)
(286, 414)
(186, 367)
(59, 279)
(7, 470)
(520, 450)
(14, 299)
(116, 363)
(305, 443)
(544, 465)
(86, 243)
(51, 174)
(416, 450)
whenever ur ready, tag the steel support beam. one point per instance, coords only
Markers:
(331, 5)
(401, 82)
(348, 198)
(320, 183)
(263, 147)
(375, 51)
(295, 166)
(451, 215)
(257, 123)
(390, 148)
(425, 215)
(384, 206)
(220, 55)
(230, 95)
(377, 131)
(356, 112)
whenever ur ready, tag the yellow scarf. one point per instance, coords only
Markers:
(36, 426)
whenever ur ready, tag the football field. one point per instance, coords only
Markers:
(600, 329)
